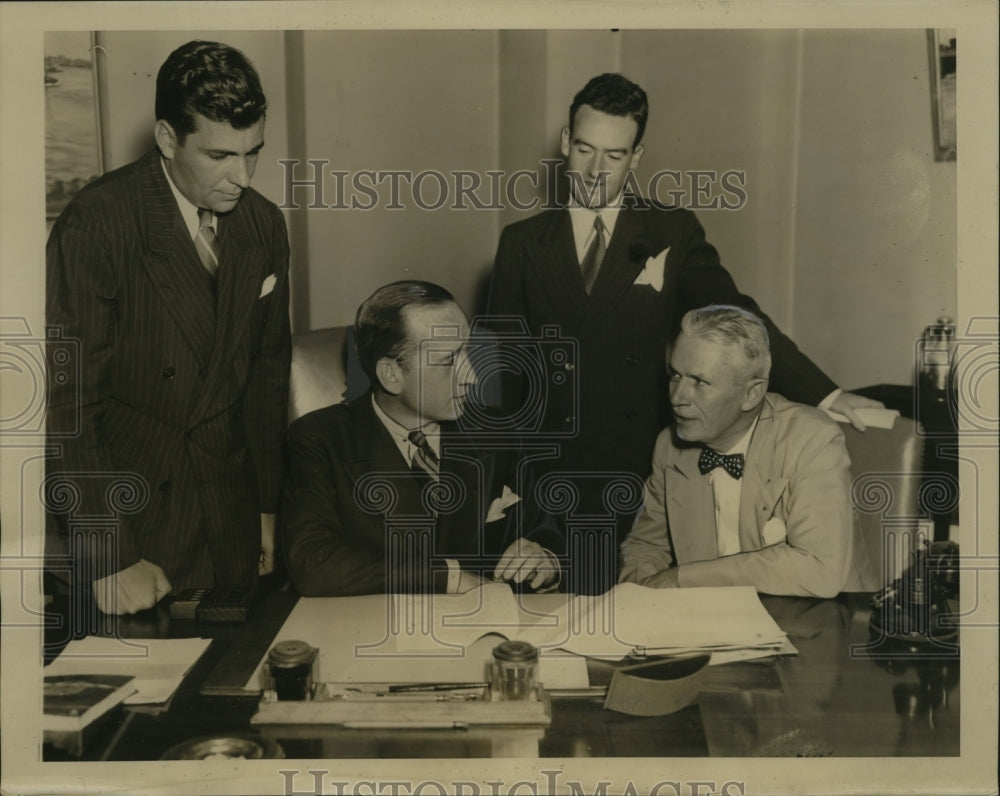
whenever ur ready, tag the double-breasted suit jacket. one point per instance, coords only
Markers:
(353, 511)
(615, 390)
(182, 385)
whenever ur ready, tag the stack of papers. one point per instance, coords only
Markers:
(158, 665)
(449, 638)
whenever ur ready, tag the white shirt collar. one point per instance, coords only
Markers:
(583, 222)
(189, 212)
(401, 434)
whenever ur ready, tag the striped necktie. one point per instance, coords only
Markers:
(206, 243)
(595, 255)
(424, 456)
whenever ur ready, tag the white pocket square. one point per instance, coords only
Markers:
(268, 285)
(774, 531)
(498, 507)
(652, 273)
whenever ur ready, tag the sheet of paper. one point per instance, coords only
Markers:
(873, 418)
(158, 665)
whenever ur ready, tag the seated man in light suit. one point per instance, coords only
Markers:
(387, 493)
(748, 488)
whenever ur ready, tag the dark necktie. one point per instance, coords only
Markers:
(595, 255)
(206, 243)
(424, 457)
(710, 459)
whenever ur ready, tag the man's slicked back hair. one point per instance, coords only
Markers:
(735, 326)
(211, 79)
(614, 95)
(380, 327)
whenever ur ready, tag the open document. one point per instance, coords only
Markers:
(415, 638)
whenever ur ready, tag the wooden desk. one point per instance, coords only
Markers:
(835, 698)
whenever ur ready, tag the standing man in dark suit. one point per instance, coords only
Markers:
(172, 274)
(390, 492)
(616, 272)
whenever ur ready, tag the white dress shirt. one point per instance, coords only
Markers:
(189, 212)
(727, 491)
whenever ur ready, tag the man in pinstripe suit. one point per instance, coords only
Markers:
(172, 273)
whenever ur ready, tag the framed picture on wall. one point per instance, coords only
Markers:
(73, 155)
(943, 53)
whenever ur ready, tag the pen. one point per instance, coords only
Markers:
(398, 725)
(402, 689)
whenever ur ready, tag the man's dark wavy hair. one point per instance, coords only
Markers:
(614, 95)
(380, 328)
(210, 78)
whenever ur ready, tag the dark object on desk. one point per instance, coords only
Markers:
(914, 607)
(290, 670)
(244, 746)
(73, 702)
(185, 605)
(656, 686)
(227, 604)
(514, 664)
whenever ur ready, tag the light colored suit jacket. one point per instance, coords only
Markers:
(796, 523)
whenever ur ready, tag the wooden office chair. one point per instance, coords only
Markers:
(886, 476)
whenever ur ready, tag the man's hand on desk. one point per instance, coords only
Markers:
(266, 564)
(132, 589)
(847, 402)
(525, 560)
(664, 579)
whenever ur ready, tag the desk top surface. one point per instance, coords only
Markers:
(844, 694)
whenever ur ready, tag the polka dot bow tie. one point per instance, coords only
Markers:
(710, 459)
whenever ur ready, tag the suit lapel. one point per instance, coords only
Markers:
(459, 531)
(620, 267)
(173, 265)
(553, 257)
(375, 453)
(757, 493)
(690, 508)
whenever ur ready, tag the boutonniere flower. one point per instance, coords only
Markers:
(652, 272)
(498, 508)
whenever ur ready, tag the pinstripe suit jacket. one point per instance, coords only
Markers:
(182, 386)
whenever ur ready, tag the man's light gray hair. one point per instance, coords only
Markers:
(735, 326)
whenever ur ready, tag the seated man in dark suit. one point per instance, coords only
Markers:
(387, 493)
(748, 488)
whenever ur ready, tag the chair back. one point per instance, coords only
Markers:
(325, 370)
(886, 476)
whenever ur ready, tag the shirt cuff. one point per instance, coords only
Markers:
(825, 403)
(454, 575)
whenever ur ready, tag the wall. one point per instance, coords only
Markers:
(407, 100)
(875, 244)
(847, 238)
